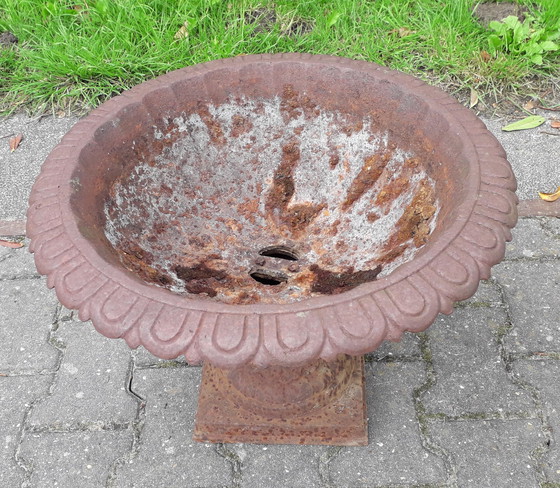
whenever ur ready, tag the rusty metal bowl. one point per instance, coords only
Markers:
(271, 210)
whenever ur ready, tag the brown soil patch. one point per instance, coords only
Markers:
(487, 12)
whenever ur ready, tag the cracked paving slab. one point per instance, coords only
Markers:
(395, 454)
(534, 309)
(90, 386)
(73, 459)
(17, 394)
(471, 377)
(544, 375)
(491, 453)
(26, 317)
(166, 454)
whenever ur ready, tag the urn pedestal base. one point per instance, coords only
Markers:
(319, 403)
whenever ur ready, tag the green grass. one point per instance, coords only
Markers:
(74, 54)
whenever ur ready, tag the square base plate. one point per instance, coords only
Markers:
(343, 422)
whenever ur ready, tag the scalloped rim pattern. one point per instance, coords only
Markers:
(354, 322)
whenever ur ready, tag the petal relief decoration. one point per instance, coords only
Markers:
(170, 332)
(481, 235)
(145, 325)
(469, 286)
(230, 340)
(355, 328)
(496, 200)
(484, 258)
(293, 338)
(499, 218)
(496, 167)
(501, 230)
(409, 307)
(77, 282)
(91, 308)
(115, 310)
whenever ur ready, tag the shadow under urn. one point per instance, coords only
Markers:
(275, 217)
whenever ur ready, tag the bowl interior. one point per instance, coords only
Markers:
(270, 183)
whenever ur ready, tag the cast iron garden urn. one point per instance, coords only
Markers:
(275, 217)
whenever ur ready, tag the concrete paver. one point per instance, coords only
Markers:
(73, 459)
(89, 390)
(533, 156)
(406, 348)
(544, 376)
(17, 394)
(166, 455)
(296, 466)
(492, 454)
(19, 169)
(395, 454)
(17, 264)
(532, 238)
(534, 309)
(477, 383)
(27, 314)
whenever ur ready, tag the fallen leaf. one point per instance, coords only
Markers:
(474, 98)
(527, 123)
(15, 141)
(485, 55)
(402, 32)
(550, 197)
(555, 124)
(183, 32)
(13, 245)
(530, 105)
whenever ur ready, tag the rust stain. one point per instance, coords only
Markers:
(214, 127)
(201, 278)
(137, 260)
(331, 283)
(297, 217)
(240, 125)
(367, 177)
(249, 209)
(414, 221)
(352, 128)
(293, 104)
(334, 160)
(283, 186)
(391, 191)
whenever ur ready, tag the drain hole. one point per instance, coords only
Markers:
(268, 279)
(281, 252)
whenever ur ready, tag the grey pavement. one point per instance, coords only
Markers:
(472, 402)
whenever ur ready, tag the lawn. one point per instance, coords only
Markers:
(72, 55)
